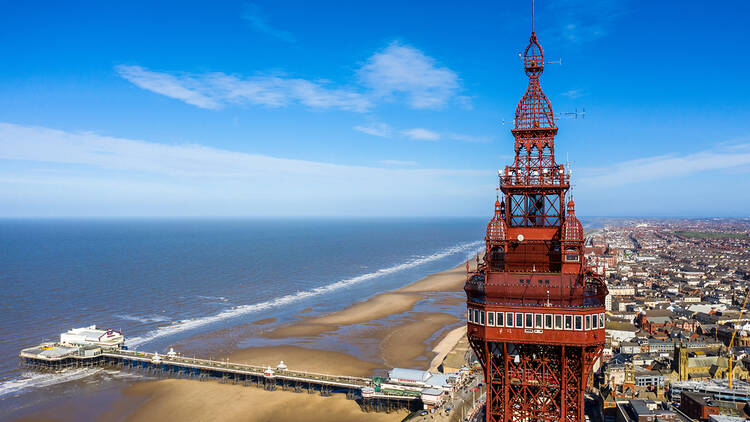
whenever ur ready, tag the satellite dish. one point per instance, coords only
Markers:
(520, 238)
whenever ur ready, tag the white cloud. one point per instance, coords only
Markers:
(401, 69)
(664, 167)
(213, 90)
(259, 21)
(63, 173)
(182, 88)
(396, 70)
(574, 93)
(421, 134)
(398, 163)
(375, 129)
(467, 138)
(579, 21)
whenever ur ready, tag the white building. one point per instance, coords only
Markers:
(621, 290)
(433, 387)
(91, 336)
(620, 331)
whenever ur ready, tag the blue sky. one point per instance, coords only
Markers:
(365, 108)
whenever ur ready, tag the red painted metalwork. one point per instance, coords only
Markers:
(535, 310)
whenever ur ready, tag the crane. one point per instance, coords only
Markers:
(730, 375)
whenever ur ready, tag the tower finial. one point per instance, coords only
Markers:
(532, 16)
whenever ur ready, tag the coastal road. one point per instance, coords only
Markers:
(461, 403)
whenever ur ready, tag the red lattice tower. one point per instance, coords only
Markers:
(535, 310)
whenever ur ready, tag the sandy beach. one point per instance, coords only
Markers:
(171, 400)
(386, 331)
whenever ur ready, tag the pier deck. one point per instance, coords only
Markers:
(365, 390)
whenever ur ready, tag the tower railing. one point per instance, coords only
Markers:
(535, 177)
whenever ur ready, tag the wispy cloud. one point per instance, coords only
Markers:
(214, 90)
(579, 21)
(398, 163)
(468, 138)
(65, 173)
(574, 93)
(259, 21)
(404, 70)
(182, 88)
(396, 70)
(665, 167)
(421, 134)
(375, 129)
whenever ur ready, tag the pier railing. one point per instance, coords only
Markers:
(255, 370)
(222, 369)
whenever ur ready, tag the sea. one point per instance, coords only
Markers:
(159, 281)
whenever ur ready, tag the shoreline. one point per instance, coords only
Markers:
(411, 326)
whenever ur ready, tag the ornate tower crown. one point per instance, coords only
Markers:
(533, 57)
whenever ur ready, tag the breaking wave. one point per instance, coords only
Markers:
(38, 380)
(143, 319)
(190, 324)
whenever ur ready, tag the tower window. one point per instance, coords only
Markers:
(476, 316)
(481, 317)
(558, 322)
(497, 259)
(490, 319)
(500, 318)
(548, 321)
(509, 319)
(538, 321)
(471, 313)
(519, 320)
(529, 320)
(568, 322)
(588, 322)
(579, 322)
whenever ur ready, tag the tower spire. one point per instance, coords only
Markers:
(532, 16)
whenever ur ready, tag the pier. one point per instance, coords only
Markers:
(366, 391)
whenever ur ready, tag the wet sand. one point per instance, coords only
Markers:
(377, 307)
(174, 400)
(304, 359)
(405, 344)
(445, 345)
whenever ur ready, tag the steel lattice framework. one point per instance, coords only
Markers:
(535, 310)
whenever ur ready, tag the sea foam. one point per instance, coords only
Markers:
(38, 380)
(143, 319)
